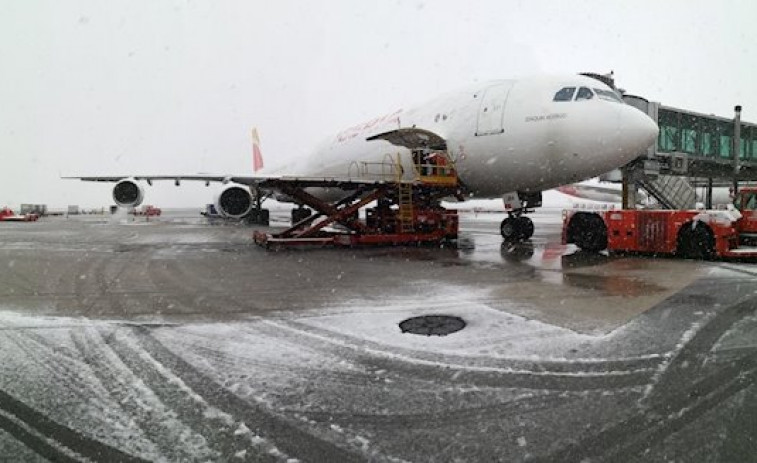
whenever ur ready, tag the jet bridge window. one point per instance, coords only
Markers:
(748, 201)
(607, 95)
(584, 94)
(564, 94)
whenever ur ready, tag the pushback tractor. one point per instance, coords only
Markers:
(698, 234)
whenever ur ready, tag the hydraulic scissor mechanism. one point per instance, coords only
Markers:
(403, 207)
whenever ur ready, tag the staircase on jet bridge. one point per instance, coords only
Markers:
(672, 192)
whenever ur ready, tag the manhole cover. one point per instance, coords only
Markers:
(432, 325)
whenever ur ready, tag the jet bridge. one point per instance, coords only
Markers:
(691, 147)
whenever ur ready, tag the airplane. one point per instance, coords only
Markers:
(612, 193)
(505, 138)
(605, 193)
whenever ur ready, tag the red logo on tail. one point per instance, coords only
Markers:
(257, 156)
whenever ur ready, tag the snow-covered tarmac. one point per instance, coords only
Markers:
(176, 340)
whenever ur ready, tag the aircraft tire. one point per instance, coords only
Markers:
(509, 230)
(525, 227)
(264, 218)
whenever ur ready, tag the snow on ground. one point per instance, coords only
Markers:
(489, 332)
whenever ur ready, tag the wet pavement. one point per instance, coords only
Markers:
(178, 340)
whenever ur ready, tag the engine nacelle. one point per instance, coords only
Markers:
(234, 202)
(128, 193)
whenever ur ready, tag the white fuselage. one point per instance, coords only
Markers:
(505, 136)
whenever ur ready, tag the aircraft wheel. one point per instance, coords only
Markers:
(258, 217)
(264, 217)
(525, 227)
(695, 241)
(509, 229)
(589, 232)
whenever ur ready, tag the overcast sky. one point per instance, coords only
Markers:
(125, 87)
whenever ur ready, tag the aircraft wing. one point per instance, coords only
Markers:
(175, 178)
(259, 181)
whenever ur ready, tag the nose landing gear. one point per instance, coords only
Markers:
(516, 227)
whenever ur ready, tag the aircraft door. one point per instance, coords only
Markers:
(491, 113)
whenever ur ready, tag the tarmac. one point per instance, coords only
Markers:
(176, 339)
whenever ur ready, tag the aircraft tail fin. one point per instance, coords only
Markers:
(257, 156)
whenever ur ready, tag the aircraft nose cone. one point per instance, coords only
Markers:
(637, 131)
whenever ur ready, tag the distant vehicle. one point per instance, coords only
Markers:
(211, 212)
(7, 215)
(39, 209)
(504, 138)
(147, 211)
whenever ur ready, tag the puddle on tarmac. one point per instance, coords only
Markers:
(613, 285)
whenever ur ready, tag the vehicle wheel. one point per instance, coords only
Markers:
(299, 214)
(509, 229)
(525, 227)
(588, 231)
(264, 218)
(695, 241)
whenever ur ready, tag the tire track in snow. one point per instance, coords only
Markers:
(63, 435)
(556, 366)
(224, 435)
(292, 440)
(437, 368)
(73, 367)
(154, 418)
(33, 440)
(59, 362)
(449, 417)
(683, 392)
(652, 426)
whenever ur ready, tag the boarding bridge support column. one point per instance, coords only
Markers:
(736, 146)
(708, 196)
(629, 198)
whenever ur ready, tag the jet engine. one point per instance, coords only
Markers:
(234, 202)
(128, 193)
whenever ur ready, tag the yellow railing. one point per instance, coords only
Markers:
(384, 170)
(442, 172)
(437, 173)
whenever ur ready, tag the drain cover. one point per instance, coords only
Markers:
(432, 325)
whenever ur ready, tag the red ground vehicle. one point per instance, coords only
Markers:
(147, 211)
(697, 234)
(7, 215)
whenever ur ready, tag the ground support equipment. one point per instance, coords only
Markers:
(407, 212)
(697, 234)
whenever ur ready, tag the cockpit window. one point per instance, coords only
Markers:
(584, 94)
(564, 94)
(607, 95)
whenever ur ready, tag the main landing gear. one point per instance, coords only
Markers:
(516, 227)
